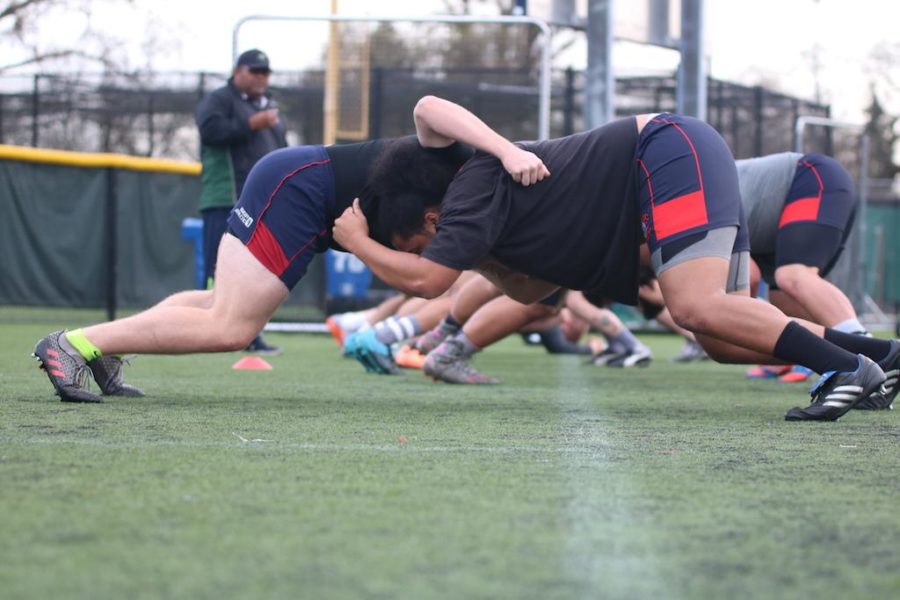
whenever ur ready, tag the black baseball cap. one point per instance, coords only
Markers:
(255, 60)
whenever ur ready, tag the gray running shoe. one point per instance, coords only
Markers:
(107, 372)
(447, 363)
(690, 352)
(884, 398)
(68, 373)
(637, 358)
(837, 392)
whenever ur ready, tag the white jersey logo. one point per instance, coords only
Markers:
(246, 219)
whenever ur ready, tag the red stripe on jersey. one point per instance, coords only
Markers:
(804, 209)
(679, 214)
(265, 247)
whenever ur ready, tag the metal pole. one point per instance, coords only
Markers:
(692, 71)
(35, 109)
(547, 35)
(599, 81)
(112, 234)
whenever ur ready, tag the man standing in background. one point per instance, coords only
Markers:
(239, 124)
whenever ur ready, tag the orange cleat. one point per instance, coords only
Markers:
(337, 332)
(409, 358)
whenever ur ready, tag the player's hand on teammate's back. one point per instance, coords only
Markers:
(375, 356)
(524, 167)
(350, 225)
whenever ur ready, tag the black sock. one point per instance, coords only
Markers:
(451, 322)
(859, 344)
(556, 343)
(800, 346)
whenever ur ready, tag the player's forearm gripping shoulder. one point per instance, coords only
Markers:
(440, 122)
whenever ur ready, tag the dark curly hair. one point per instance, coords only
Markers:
(405, 180)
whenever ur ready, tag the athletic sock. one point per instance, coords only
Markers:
(874, 348)
(395, 329)
(798, 345)
(851, 326)
(625, 339)
(556, 343)
(75, 343)
(450, 326)
(468, 348)
(351, 321)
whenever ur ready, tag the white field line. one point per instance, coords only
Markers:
(240, 442)
(598, 509)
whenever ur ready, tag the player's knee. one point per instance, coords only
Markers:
(693, 316)
(792, 278)
(231, 338)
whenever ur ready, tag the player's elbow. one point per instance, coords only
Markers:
(432, 282)
(427, 288)
(425, 106)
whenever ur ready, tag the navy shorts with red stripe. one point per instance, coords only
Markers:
(822, 192)
(688, 182)
(816, 219)
(285, 211)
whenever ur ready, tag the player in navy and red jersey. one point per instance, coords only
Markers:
(672, 177)
(282, 219)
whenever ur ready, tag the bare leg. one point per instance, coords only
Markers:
(501, 317)
(245, 296)
(195, 298)
(476, 292)
(665, 319)
(431, 312)
(602, 319)
(409, 306)
(821, 299)
(788, 305)
(385, 309)
(730, 327)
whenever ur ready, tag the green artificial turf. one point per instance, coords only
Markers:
(316, 480)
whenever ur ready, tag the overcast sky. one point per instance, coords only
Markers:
(767, 41)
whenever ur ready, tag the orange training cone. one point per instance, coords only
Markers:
(252, 363)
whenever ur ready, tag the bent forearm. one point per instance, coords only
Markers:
(440, 122)
(408, 273)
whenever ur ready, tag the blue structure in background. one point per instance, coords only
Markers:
(346, 276)
(192, 231)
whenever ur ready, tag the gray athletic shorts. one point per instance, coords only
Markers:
(717, 242)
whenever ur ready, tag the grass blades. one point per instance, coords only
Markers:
(316, 480)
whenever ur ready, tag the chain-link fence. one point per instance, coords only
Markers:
(152, 114)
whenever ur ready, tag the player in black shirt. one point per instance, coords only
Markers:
(670, 178)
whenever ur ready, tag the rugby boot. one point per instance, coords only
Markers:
(637, 358)
(767, 371)
(883, 399)
(68, 373)
(375, 356)
(837, 392)
(448, 363)
(107, 372)
(690, 352)
(605, 357)
(409, 358)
